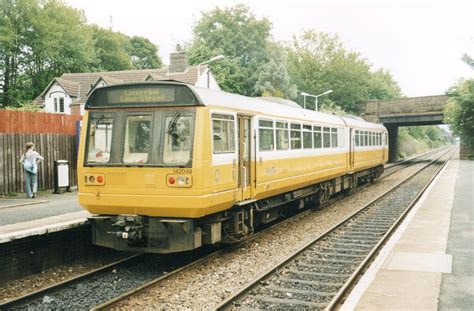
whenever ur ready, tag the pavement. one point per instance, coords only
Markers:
(23, 217)
(428, 262)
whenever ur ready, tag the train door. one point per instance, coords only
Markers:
(245, 163)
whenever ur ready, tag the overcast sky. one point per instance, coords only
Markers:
(419, 41)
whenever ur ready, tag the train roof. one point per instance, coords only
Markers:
(275, 107)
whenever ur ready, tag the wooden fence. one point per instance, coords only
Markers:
(54, 136)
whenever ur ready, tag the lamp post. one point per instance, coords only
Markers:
(214, 59)
(315, 97)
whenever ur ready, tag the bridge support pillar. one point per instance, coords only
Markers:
(392, 142)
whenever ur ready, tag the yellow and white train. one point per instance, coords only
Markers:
(167, 167)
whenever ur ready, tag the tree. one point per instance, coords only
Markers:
(318, 62)
(15, 23)
(241, 37)
(274, 80)
(58, 42)
(111, 50)
(459, 111)
(144, 53)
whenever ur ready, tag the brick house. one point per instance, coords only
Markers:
(67, 94)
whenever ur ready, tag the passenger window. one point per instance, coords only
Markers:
(137, 139)
(295, 136)
(317, 137)
(265, 135)
(223, 133)
(178, 139)
(366, 138)
(307, 137)
(334, 138)
(357, 137)
(282, 136)
(341, 137)
(326, 137)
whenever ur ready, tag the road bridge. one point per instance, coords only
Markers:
(424, 110)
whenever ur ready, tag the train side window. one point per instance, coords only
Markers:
(307, 137)
(317, 136)
(223, 133)
(380, 139)
(326, 137)
(137, 139)
(265, 135)
(341, 137)
(282, 136)
(371, 136)
(178, 139)
(366, 138)
(334, 138)
(357, 137)
(295, 136)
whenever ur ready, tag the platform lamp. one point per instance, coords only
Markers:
(214, 59)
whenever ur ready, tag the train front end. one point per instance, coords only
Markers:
(140, 170)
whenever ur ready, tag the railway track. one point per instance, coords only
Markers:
(319, 274)
(106, 287)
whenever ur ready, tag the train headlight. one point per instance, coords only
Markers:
(182, 181)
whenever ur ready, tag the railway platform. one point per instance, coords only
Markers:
(427, 264)
(21, 218)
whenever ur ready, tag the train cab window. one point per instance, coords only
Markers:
(317, 136)
(265, 135)
(223, 133)
(178, 139)
(282, 136)
(307, 137)
(295, 136)
(357, 138)
(137, 139)
(99, 138)
(326, 137)
(334, 138)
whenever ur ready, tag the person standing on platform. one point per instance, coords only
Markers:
(30, 160)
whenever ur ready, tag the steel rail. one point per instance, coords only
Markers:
(117, 300)
(22, 300)
(241, 294)
(374, 252)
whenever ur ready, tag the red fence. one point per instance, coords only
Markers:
(19, 122)
(54, 138)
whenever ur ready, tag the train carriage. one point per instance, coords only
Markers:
(167, 167)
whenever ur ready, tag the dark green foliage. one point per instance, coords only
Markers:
(459, 112)
(144, 53)
(40, 40)
(236, 33)
(318, 62)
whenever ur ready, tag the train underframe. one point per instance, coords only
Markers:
(169, 235)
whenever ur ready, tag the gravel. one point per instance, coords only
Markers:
(208, 284)
(32, 283)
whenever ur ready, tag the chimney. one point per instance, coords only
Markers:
(178, 61)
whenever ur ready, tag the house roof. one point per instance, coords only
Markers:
(78, 85)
